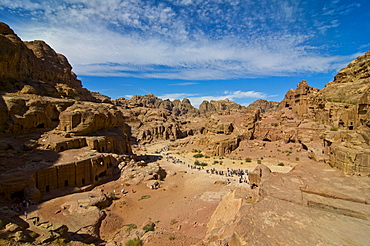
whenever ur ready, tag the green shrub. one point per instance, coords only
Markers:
(130, 227)
(173, 221)
(144, 197)
(281, 164)
(171, 237)
(259, 162)
(334, 128)
(134, 242)
(248, 159)
(274, 124)
(297, 158)
(198, 155)
(202, 164)
(148, 227)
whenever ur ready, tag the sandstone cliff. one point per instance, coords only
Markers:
(313, 204)
(35, 68)
(225, 107)
(264, 106)
(55, 135)
(343, 106)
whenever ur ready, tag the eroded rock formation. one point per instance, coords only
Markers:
(312, 198)
(46, 117)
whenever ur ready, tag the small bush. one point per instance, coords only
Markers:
(171, 237)
(297, 158)
(334, 128)
(248, 159)
(274, 124)
(173, 221)
(130, 227)
(259, 162)
(215, 162)
(33, 235)
(281, 164)
(59, 241)
(202, 164)
(134, 242)
(148, 227)
(198, 155)
(144, 197)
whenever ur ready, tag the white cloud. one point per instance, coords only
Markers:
(145, 39)
(184, 83)
(197, 99)
(174, 96)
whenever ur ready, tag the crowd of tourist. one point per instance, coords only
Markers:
(229, 173)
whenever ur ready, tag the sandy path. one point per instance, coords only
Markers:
(182, 206)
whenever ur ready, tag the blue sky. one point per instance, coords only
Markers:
(243, 50)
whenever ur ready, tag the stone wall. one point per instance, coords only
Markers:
(84, 172)
(75, 143)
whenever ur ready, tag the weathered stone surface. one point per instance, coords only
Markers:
(79, 213)
(86, 117)
(24, 114)
(259, 174)
(217, 126)
(263, 106)
(135, 174)
(351, 82)
(36, 64)
(225, 107)
(311, 198)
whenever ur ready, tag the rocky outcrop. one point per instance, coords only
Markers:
(218, 146)
(33, 67)
(80, 213)
(264, 106)
(25, 114)
(351, 82)
(225, 107)
(176, 107)
(86, 117)
(142, 172)
(343, 105)
(219, 126)
(315, 198)
(302, 99)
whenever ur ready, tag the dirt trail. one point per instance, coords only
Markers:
(182, 206)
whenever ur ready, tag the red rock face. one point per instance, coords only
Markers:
(37, 65)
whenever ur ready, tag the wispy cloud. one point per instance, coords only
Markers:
(197, 99)
(182, 39)
(184, 83)
(174, 96)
